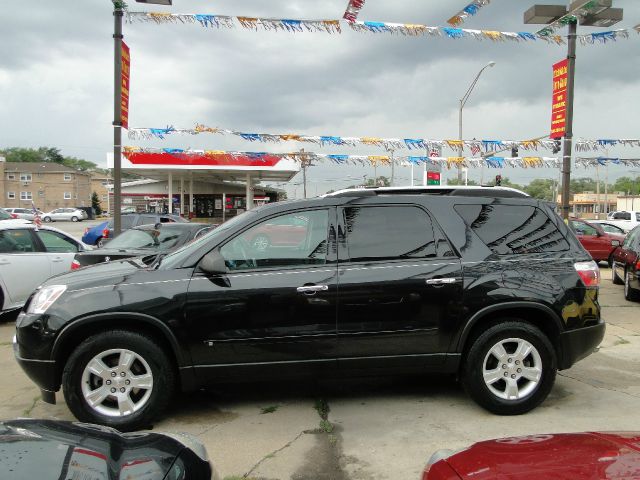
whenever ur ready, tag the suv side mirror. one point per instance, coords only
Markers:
(213, 263)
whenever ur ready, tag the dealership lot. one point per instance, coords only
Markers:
(372, 428)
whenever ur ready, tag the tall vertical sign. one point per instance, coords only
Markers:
(559, 102)
(124, 95)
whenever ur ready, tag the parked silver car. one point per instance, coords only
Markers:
(24, 213)
(73, 214)
(28, 257)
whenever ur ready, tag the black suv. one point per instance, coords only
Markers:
(485, 283)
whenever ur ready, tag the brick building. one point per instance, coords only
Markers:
(48, 185)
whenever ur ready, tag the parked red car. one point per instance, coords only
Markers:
(626, 265)
(594, 456)
(595, 240)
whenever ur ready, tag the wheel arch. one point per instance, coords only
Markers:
(536, 314)
(78, 330)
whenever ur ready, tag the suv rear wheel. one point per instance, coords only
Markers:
(510, 368)
(118, 378)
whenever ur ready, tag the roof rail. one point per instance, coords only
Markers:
(453, 190)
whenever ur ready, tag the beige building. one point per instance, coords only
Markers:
(99, 184)
(47, 185)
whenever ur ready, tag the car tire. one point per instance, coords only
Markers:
(610, 261)
(260, 243)
(99, 242)
(123, 356)
(630, 293)
(615, 279)
(74, 219)
(46, 219)
(505, 388)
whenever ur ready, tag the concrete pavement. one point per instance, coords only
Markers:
(375, 428)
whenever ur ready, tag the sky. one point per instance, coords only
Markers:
(56, 81)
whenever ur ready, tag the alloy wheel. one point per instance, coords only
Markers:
(117, 382)
(512, 369)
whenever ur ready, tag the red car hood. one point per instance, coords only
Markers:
(552, 457)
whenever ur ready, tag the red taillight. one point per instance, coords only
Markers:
(589, 273)
(105, 233)
(75, 265)
(638, 266)
(13, 215)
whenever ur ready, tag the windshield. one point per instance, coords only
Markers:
(175, 258)
(161, 239)
(4, 215)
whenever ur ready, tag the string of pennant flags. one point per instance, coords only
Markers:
(468, 11)
(475, 146)
(446, 162)
(602, 161)
(222, 22)
(353, 9)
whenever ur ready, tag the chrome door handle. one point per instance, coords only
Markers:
(57, 259)
(442, 281)
(5, 262)
(312, 288)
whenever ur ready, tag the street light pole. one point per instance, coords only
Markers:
(117, 115)
(463, 101)
(595, 13)
(118, 12)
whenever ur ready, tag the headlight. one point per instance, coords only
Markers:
(615, 243)
(45, 297)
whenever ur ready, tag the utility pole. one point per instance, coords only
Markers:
(392, 168)
(303, 162)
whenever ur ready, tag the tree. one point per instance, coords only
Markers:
(628, 185)
(455, 181)
(542, 188)
(382, 181)
(46, 155)
(95, 203)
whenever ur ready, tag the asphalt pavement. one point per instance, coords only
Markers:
(376, 428)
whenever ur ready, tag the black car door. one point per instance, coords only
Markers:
(400, 285)
(276, 303)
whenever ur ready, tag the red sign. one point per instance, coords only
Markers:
(124, 95)
(433, 178)
(559, 102)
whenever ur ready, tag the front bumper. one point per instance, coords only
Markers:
(579, 343)
(41, 372)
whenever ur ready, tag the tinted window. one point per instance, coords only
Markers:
(54, 242)
(508, 229)
(582, 228)
(161, 239)
(289, 240)
(379, 233)
(637, 216)
(16, 241)
(622, 216)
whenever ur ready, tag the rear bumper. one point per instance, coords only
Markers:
(579, 343)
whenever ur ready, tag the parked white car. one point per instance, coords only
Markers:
(28, 257)
(23, 213)
(73, 214)
(624, 219)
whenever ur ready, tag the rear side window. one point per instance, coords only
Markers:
(389, 233)
(622, 216)
(513, 229)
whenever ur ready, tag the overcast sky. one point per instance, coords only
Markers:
(56, 80)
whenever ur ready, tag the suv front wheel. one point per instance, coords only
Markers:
(118, 378)
(510, 368)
